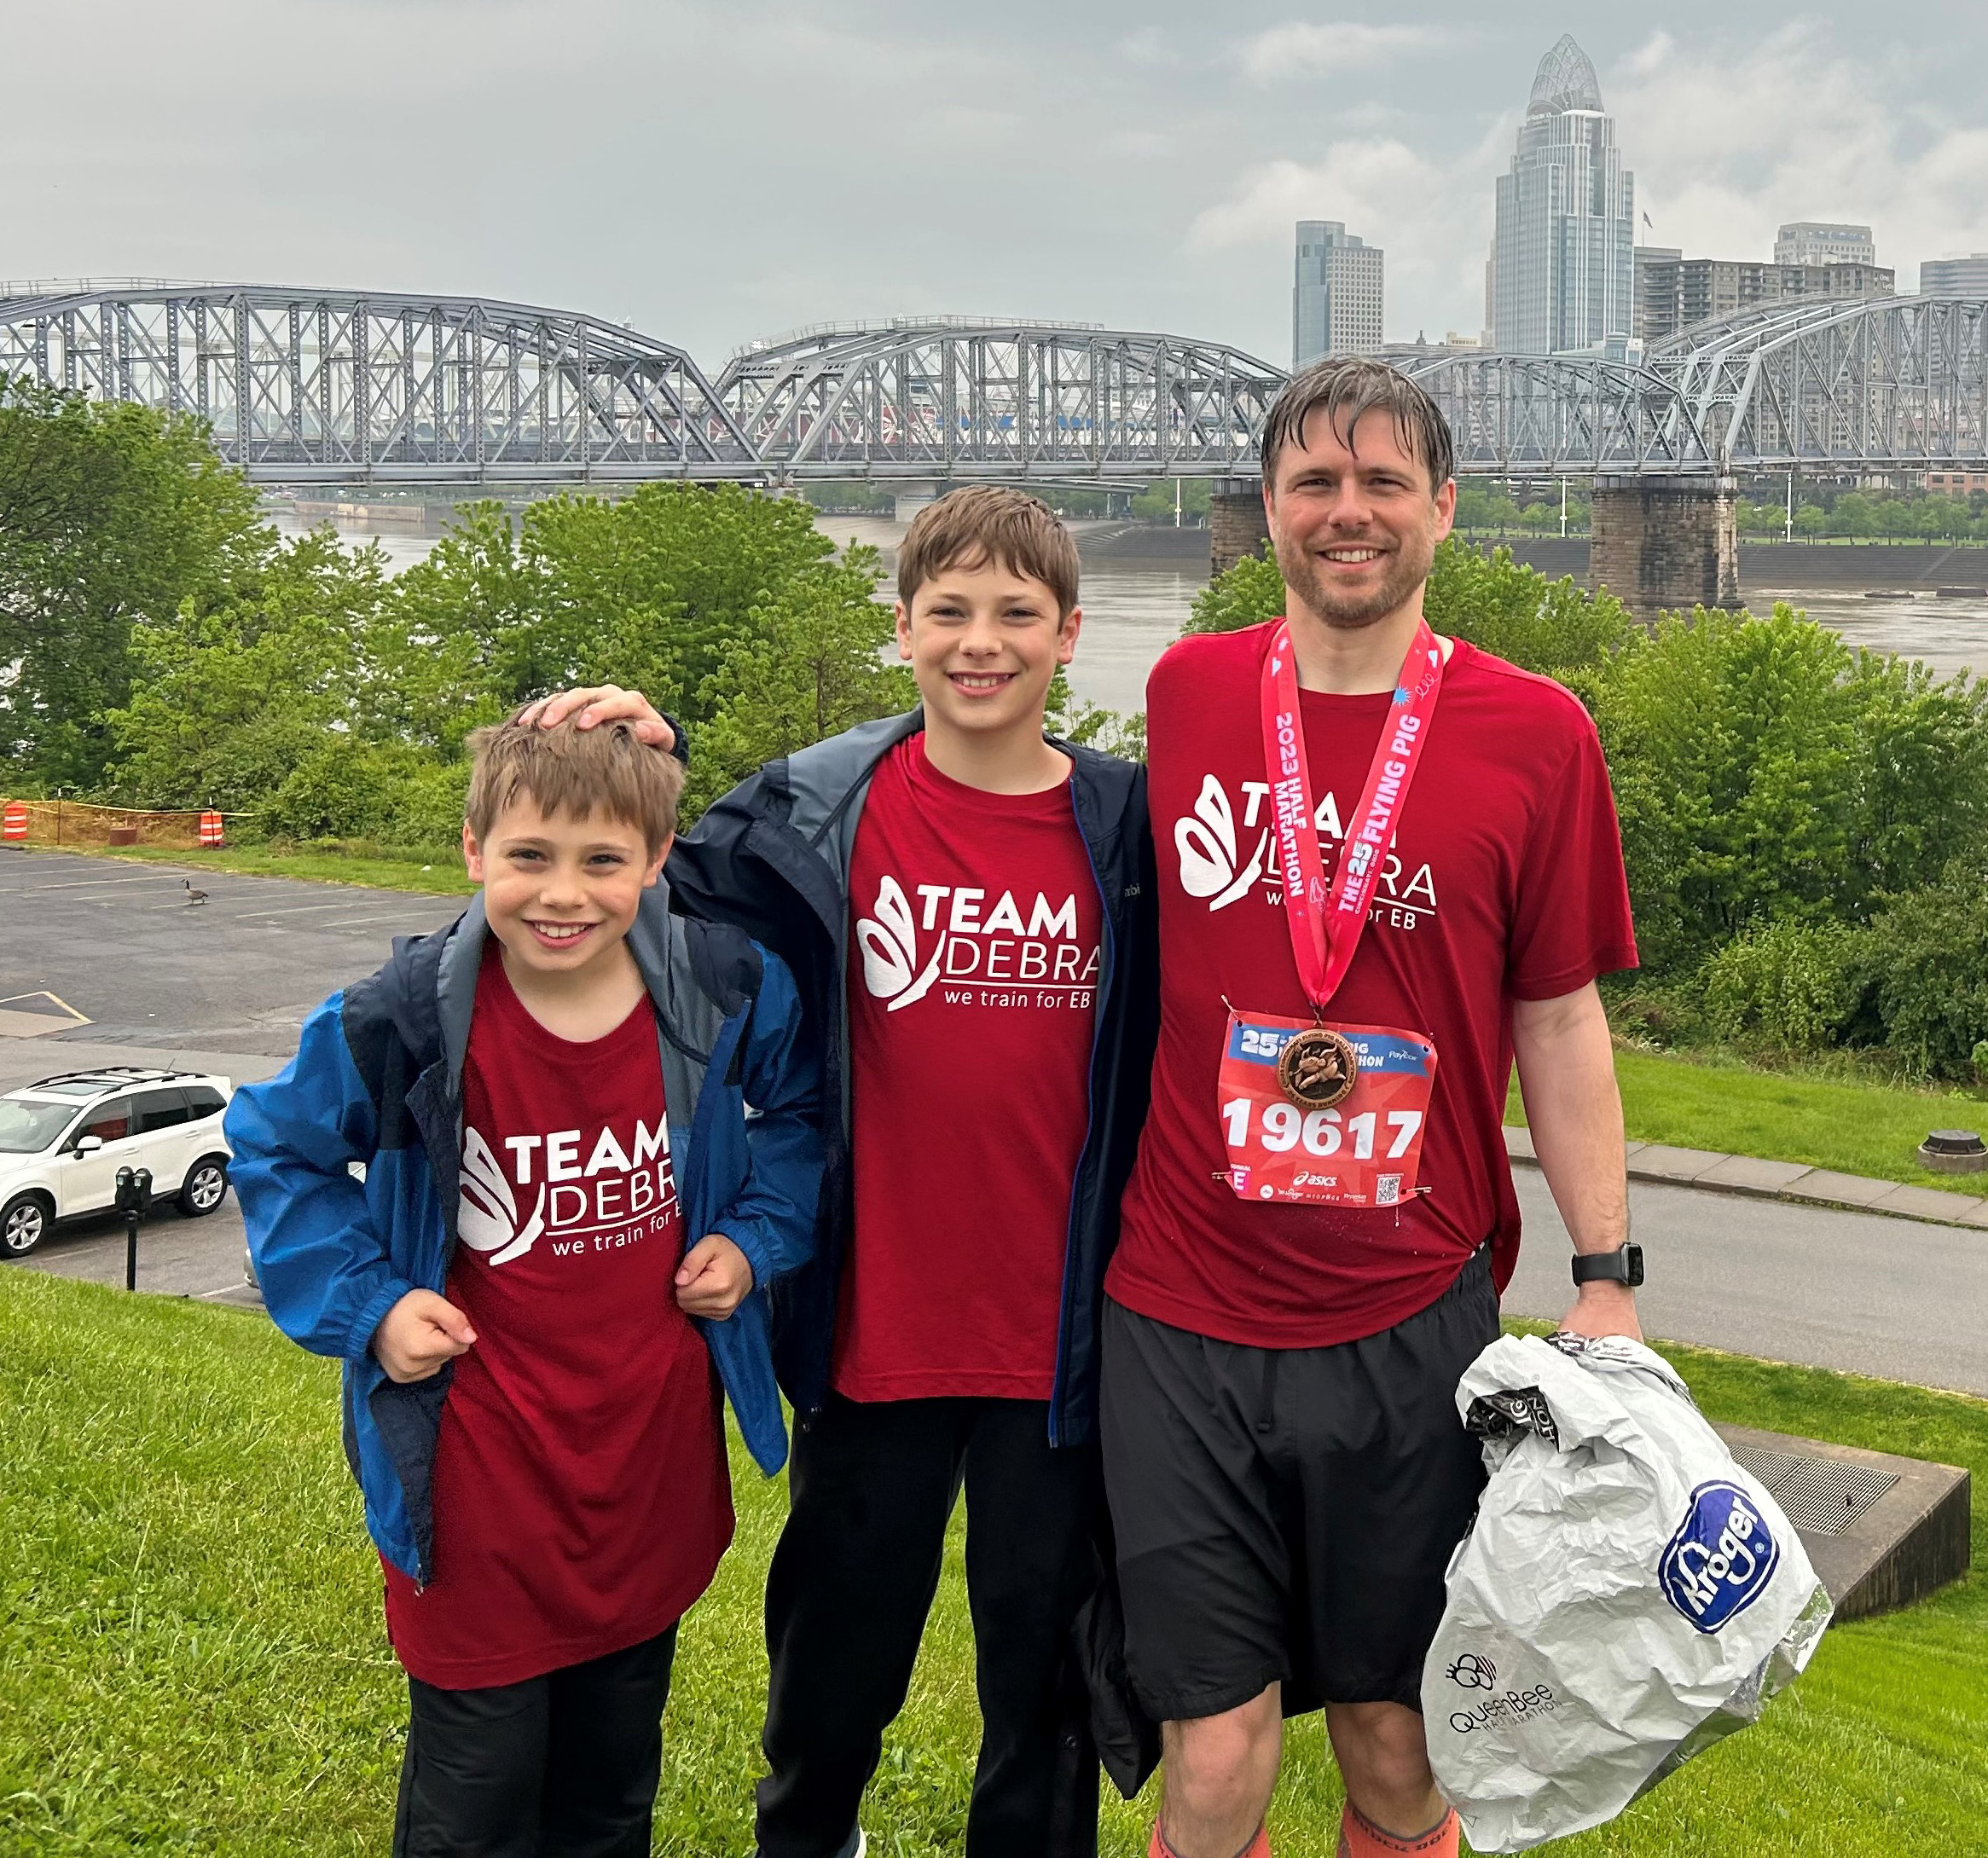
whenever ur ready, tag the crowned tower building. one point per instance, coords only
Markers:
(1563, 260)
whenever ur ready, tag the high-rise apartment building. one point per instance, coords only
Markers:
(1955, 277)
(1810, 241)
(1336, 296)
(1673, 291)
(1561, 262)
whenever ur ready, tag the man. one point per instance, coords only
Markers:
(1387, 863)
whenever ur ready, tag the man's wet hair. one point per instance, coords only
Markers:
(575, 772)
(970, 528)
(1345, 388)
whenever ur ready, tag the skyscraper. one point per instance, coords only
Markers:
(1336, 294)
(1810, 241)
(1955, 277)
(1561, 262)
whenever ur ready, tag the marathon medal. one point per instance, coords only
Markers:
(1318, 1069)
(1314, 1113)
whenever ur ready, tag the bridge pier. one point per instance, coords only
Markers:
(1236, 526)
(915, 496)
(1665, 544)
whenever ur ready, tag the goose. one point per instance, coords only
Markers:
(193, 895)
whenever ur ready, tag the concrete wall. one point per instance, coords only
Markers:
(1665, 544)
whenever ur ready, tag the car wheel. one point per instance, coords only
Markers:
(24, 1224)
(205, 1187)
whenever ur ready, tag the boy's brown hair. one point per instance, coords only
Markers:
(575, 772)
(969, 528)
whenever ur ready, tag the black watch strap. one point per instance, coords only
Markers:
(1624, 1265)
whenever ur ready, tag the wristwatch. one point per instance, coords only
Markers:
(1623, 1265)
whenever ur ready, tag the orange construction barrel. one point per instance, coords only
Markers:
(15, 821)
(210, 830)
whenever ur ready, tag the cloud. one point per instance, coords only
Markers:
(1728, 143)
(1297, 50)
(1431, 214)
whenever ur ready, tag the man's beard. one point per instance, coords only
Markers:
(1406, 571)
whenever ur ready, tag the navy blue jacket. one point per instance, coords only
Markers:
(377, 1081)
(772, 857)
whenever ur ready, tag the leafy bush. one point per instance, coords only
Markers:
(1764, 773)
(1794, 984)
(342, 790)
(1926, 960)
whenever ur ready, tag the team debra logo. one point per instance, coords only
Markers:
(596, 1204)
(1000, 946)
(486, 1216)
(1208, 840)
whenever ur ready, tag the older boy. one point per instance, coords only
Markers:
(529, 1405)
(966, 902)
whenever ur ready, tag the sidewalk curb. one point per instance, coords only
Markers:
(1789, 1181)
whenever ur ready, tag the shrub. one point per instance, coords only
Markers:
(1926, 960)
(1795, 984)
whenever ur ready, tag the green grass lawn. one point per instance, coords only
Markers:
(1856, 1128)
(192, 1659)
(440, 876)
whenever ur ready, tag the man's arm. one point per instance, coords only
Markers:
(1567, 1073)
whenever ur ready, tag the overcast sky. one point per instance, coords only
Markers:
(715, 171)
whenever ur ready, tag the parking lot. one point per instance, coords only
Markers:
(148, 979)
(119, 943)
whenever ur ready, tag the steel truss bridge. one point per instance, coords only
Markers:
(355, 387)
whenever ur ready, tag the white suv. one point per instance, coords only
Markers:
(63, 1140)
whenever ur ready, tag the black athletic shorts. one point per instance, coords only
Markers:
(1287, 1514)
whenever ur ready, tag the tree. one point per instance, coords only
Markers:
(810, 665)
(110, 516)
(228, 702)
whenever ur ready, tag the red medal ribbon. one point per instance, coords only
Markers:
(1326, 923)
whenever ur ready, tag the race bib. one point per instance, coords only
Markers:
(1366, 1151)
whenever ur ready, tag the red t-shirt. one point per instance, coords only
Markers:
(974, 939)
(1504, 882)
(582, 1498)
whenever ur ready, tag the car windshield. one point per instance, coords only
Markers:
(28, 1128)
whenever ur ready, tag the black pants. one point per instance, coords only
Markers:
(870, 1488)
(563, 1766)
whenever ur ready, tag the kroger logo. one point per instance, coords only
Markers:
(1721, 1558)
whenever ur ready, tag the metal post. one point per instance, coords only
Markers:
(1563, 509)
(133, 1193)
(1790, 535)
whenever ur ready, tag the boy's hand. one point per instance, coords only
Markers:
(713, 1279)
(605, 703)
(419, 1334)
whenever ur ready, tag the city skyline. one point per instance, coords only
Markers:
(785, 163)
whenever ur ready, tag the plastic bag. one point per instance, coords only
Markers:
(1627, 1595)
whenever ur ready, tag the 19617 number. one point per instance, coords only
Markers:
(1284, 1127)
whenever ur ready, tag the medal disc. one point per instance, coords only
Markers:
(1318, 1068)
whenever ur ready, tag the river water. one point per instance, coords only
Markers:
(1134, 609)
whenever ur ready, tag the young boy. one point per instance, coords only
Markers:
(530, 1401)
(965, 903)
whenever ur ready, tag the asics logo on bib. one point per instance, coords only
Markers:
(1225, 851)
(622, 1191)
(1721, 1558)
(1018, 951)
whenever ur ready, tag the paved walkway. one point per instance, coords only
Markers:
(1786, 1180)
